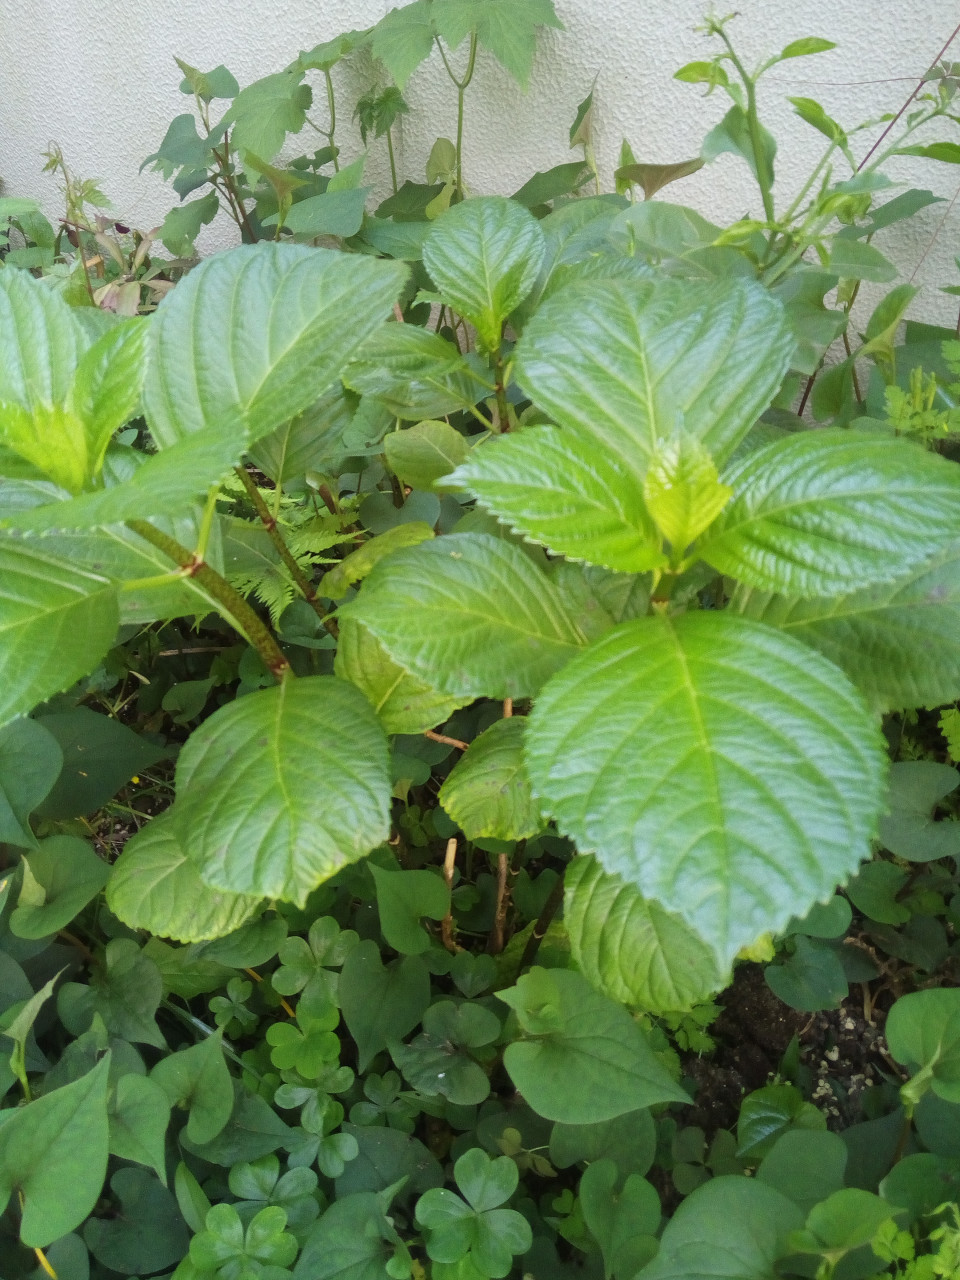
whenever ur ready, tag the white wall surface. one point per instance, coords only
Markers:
(98, 76)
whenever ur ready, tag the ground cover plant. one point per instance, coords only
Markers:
(476, 762)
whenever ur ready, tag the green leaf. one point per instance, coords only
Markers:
(682, 490)
(106, 388)
(768, 1112)
(425, 453)
(253, 1130)
(139, 1115)
(181, 226)
(146, 1232)
(354, 1239)
(630, 1141)
(630, 948)
(733, 134)
(99, 755)
(197, 1078)
(218, 83)
(487, 792)
(923, 1032)
(854, 260)
(616, 1218)
(561, 180)
(557, 488)
(803, 1164)
(324, 56)
(812, 113)
(154, 886)
(417, 374)
(586, 1059)
(403, 38)
(307, 964)
(333, 213)
(620, 362)
(126, 989)
(360, 564)
(262, 114)
(810, 979)
(68, 874)
(54, 1152)
(847, 1219)
(279, 790)
(488, 1236)
(822, 512)
(403, 703)
(809, 44)
(42, 342)
(484, 256)
(730, 1228)
(507, 28)
(945, 152)
(745, 710)
(909, 829)
(469, 613)
(381, 1003)
(897, 643)
(256, 335)
(653, 177)
(402, 898)
(438, 1062)
(56, 622)
(30, 762)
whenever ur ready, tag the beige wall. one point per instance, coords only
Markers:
(99, 78)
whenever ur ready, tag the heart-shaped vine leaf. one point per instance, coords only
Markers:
(487, 792)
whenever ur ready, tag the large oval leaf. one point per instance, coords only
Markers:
(559, 489)
(153, 885)
(824, 512)
(42, 342)
(899, 643)
(56, 622)
(632, 949)
(279, 790)
(756, 773)
(469, 614)
(625, 363)
(484, 255)
(252, 337)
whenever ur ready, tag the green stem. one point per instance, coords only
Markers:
(461, 89)
(269, 522)
(393, 163)
(764, 176)
(228, 598)
(332, 109)
(550, 909)
(500, 390)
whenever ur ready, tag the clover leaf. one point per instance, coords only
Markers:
(473, 1228)
(259, 1183)
(311, 1045)
(307, 964)
(225, 1249)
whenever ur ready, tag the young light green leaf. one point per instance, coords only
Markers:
(487, 793)
(813, 114)
(897, 643)
(279, 790)
(64, 875)
(106, 388)
(42, 342)
(262, 114)
(257, 334)
(56, 622)
(745, 705)
(558, 488)
(626, 364)
(821, 513)
(54, 1152)
(469, 613)
(682, 490)
(807, 45)
(484, 256)
(360, 564)
(630, 948)
(585, 1060)
(425, 453)
(403, 703)
(153, 885)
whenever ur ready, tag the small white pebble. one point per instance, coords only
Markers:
(832, 1055)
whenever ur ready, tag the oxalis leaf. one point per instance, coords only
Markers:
(586, 1060)
(776, 769)
(624, 363)
(823, 512)
(630, 947)
(470, 615)
(278, 791)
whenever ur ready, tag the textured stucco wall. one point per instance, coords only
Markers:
(99, 78)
